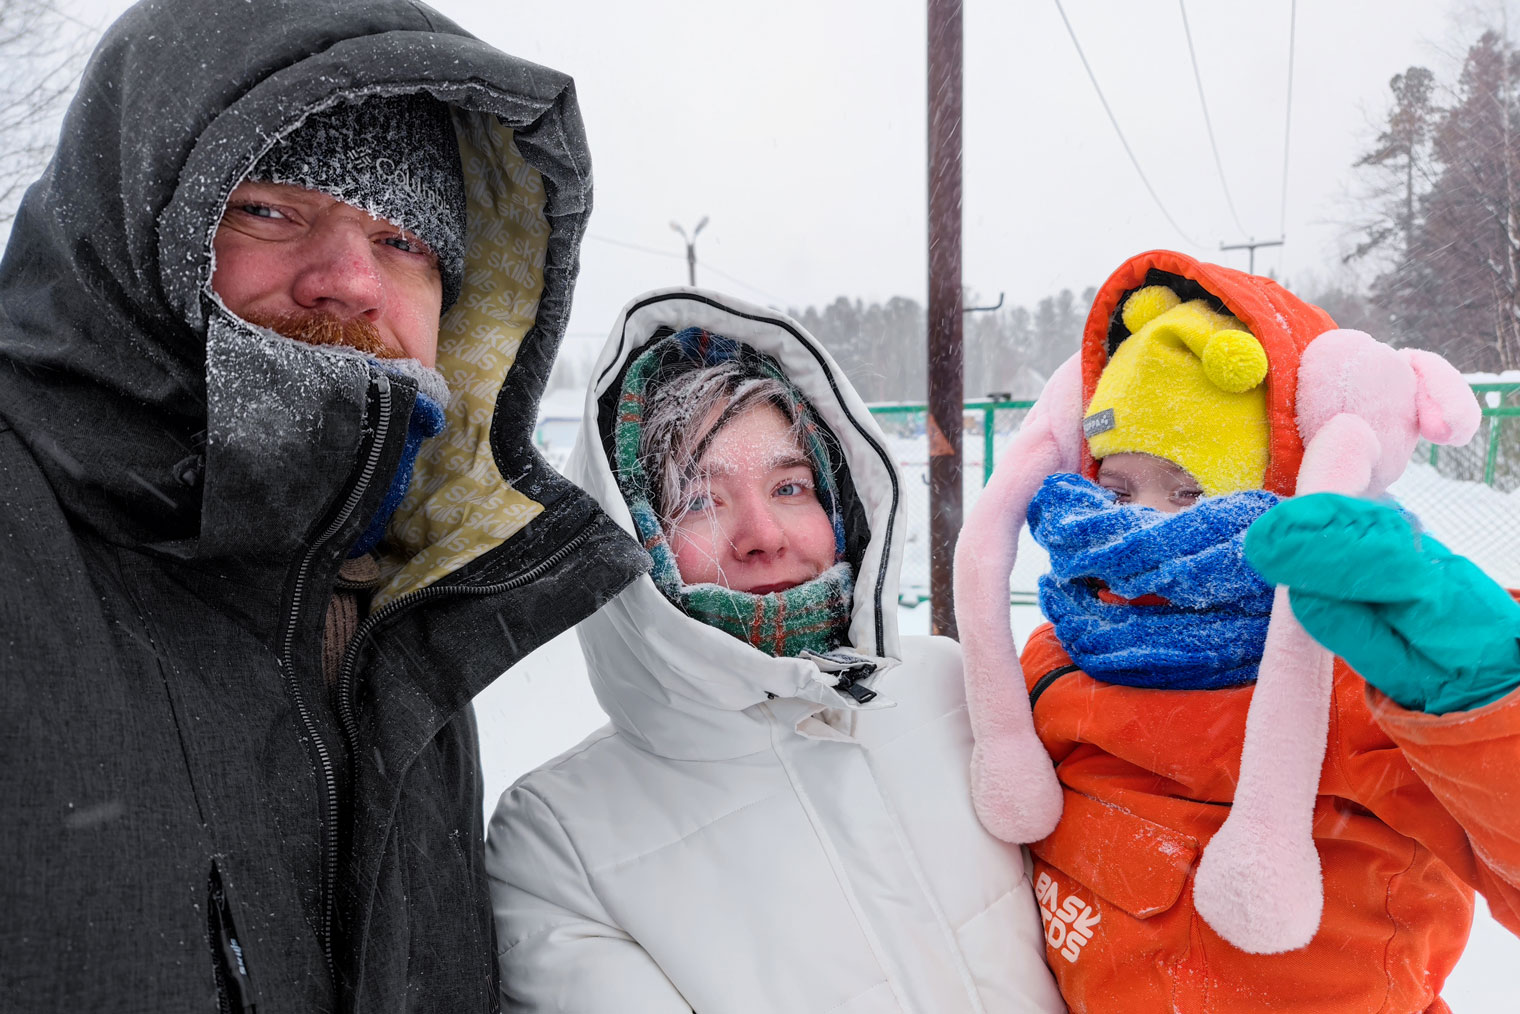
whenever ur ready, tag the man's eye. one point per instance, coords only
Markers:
(409, 244)
(259, 211)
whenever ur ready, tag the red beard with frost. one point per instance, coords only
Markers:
(324, 329)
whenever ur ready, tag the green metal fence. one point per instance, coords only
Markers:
(1498, 401)
(987, 410)
(1465, 495)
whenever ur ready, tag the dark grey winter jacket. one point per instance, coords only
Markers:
(188, 818)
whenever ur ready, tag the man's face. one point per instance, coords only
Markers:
(284, 253)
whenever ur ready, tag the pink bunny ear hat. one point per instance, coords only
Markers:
(1356, 408)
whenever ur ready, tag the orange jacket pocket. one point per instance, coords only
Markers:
(1134, 864)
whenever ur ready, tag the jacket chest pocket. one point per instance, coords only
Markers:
(1136, 865)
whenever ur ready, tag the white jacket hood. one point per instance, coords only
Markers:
(656, 669)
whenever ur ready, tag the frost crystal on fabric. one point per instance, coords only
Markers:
(1148, 599)
(395, 157)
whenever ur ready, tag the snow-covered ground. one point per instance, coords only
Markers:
(544, 705)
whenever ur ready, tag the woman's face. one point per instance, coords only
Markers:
(1149, 481)
(753, 522)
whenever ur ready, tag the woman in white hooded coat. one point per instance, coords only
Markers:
(755, 832)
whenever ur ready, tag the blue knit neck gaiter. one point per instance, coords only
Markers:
(427, 420)
(1201, 618)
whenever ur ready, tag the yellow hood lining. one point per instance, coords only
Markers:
(459, 506)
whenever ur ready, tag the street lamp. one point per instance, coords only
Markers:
(691, 249)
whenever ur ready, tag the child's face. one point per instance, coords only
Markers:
(1149, 481)
(753, 522)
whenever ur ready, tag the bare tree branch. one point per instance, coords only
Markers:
(41, 52)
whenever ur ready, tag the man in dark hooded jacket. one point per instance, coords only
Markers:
(207, 799)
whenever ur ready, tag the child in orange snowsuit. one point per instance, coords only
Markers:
(1320, 857)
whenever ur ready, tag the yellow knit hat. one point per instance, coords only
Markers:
(1186, 385)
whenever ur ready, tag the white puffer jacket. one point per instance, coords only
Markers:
(743, 837)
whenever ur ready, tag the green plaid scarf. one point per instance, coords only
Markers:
(812, 616)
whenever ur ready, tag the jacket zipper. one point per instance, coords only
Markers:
(234, 986)
(347, 721)
(1043, 683)
(328, 786)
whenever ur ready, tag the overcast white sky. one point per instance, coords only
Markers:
(798, 127)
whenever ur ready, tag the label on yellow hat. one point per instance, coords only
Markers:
(1098, 422)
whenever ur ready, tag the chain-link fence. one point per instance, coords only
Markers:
(1466, 496)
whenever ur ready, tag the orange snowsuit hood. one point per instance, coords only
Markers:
(1283, 323)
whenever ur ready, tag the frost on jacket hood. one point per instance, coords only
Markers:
(694, 668)
(183, 488)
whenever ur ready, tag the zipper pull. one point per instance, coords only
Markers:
(848, 669)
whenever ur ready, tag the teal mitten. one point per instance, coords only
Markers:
(1423, 625)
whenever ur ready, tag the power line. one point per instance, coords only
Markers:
(634, 246)
(1127, 150)
(775, 300)
(1207, 120)
(681, 257)
(1282, 215)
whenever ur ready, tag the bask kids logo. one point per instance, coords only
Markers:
(1068, 923)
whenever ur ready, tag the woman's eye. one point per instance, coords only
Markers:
(1187, 495)
(794, 487)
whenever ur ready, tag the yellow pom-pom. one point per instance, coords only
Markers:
(1145, 305)
(1234, 360)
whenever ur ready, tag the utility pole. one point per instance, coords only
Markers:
(1251, 246)
(691, 250)
(946, 355)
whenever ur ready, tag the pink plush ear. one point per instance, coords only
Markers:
(1444, 403)
(1361, 407)
(1013, 783)
(1258, 884)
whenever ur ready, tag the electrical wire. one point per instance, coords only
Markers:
(634, 246)
(1111, 119)
(706, 265)
(776, 301)
(1282, 214)
(1207, 120)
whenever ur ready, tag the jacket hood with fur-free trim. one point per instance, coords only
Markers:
(687, 666)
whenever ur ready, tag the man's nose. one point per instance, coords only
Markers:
(757, 531)
(338, 273)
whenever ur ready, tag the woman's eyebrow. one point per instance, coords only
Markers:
(713, 470)
(790, 459)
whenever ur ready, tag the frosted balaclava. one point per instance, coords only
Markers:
(395, 157)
